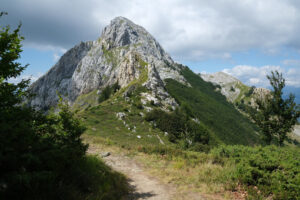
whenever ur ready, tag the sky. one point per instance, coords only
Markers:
(246, 39)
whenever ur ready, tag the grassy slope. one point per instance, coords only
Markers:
(101, 121)
(224, 121)
(213, 110)
(212, 173)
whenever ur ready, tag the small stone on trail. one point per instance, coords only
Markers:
(105, 154)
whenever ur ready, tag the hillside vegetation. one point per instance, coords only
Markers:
(212, 109)
(42, 156)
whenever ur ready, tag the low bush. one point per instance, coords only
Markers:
(108, 91)
(179, 127)
(272, 170)
(250, 92)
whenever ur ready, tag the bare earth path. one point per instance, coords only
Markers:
(144, 186)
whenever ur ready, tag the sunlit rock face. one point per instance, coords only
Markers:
(124, 52)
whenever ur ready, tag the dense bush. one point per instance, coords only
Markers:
(179, 126)
(108, 91)
(232, 89)
(172, 123)
(274, 171)
(250, 92)
(38, 152)
(42, 156)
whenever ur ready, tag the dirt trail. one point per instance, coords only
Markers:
(143, 184)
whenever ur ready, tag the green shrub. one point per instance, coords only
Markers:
(199, 147)
(108, 91)
(167, 122)
(42, 156)
(250, 92)
(232, 89)
(273, 170)
(179, 126)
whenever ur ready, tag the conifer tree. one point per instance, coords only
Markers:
(276, 116)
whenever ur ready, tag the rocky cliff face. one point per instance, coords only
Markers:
(123, 53)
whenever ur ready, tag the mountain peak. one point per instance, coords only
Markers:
(121, 32)
(124, 53)
(121, 20)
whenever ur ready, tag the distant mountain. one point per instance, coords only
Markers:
(235, 90)
(228, 85)
(125, 74)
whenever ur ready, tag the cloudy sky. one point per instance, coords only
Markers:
(246, 39)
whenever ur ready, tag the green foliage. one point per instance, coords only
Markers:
(111, 56)
(179, 126)
(95, 180)
(10, 49)
(274, 171)
(276, 116)
(37, 152)
(172, 123)
(41, 156)
(197, 132)
(232, 89)
(108, 91)
(250, 91)
(225, 123)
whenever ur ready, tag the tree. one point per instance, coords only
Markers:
(274, 115)
(38, 152)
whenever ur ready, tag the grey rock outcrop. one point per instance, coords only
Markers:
(229, 85)
(233, 88)
(124, 52)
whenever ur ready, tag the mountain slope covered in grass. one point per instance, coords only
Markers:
(211, 108)
(126, 87)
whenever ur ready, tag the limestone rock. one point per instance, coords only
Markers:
(124, 52)
(229, 86)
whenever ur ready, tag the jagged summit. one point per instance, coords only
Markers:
(123, 53)
(121, 32)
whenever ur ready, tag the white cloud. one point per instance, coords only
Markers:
(252, 75)
(294, 63)
(56, 57)
(188, 30)
(26, 77)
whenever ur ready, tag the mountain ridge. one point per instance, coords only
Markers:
(127, 75)
(120, 55)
